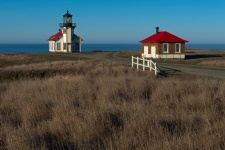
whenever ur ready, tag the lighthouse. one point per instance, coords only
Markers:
(65, 40)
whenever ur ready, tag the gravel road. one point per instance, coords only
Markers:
(112, 57)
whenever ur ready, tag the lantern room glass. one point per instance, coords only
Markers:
(67, 19)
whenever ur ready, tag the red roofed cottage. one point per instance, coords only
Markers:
(65, 40)
(163, 45)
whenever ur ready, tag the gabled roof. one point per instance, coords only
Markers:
(55, 36)
(78, 37)
(163, 37)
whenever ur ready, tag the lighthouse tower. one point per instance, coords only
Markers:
(65, 40)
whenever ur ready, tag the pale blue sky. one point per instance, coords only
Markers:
(113, 21)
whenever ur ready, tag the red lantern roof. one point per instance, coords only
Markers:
(163, 37)
(54, 37)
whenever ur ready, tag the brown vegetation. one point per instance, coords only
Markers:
(214, 63)
(10, 59)
(212, 58)
(99, 105)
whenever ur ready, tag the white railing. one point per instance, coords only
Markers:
(145, 63)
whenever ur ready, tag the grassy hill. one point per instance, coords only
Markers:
(67, 103)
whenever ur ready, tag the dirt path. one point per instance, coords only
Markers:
(113, 57)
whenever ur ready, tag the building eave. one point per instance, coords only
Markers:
(55, 36)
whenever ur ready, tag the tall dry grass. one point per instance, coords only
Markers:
(214, 63)
(99, 105)
(9, 59)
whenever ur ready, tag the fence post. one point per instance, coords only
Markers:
(150, 65)
(143, 64)
(132, 62)
(137, 63)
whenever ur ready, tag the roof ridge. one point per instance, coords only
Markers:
(163, 36)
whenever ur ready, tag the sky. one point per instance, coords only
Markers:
(113, 21)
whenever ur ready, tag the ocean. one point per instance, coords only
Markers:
(42, 48)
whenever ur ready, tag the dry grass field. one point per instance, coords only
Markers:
(87, 104)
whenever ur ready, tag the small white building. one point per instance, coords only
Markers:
(65, 40)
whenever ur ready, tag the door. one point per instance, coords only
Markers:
(69, 47)
(145, 50)
(153, 49)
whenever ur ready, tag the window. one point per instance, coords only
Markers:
(177, 47)
(50, 46)
(58, 46)
(64, 30)
(165, 48)
(77, 45)
(64, 46)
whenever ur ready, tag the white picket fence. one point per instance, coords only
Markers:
(145, 63)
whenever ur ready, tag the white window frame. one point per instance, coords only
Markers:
(64, 31)
(64, 46)
(176, 47)
(167, 51)
(50, 46)
(58, 46)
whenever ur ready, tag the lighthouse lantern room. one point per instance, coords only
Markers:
(65, 40)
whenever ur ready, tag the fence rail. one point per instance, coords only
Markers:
(145, 63)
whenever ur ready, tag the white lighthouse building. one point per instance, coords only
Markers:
(65, 40)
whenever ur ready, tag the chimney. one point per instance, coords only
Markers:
(157, 30)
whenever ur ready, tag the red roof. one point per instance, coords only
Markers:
(163, 37)
(54, 37)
